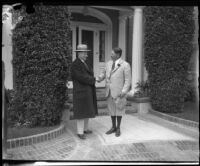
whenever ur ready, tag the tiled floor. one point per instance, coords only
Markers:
(144, 138)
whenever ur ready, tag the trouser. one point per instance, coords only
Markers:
(82, 125)
(113, 111)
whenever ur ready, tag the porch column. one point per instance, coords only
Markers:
(7, 72)
(7, 48)
(122, 34)
(137, 48)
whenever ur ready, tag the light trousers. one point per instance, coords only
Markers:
(113, 110)
(82, 125)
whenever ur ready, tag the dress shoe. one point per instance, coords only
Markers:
(87, 132)
(81, 136)
(117, 133)
(112, 130)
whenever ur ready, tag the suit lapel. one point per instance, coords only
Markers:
(84, 65)
(117, 66)
(87, 67)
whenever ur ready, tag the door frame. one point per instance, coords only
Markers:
(95, 45)
(96, 28)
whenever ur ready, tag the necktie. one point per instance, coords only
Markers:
(113, 65)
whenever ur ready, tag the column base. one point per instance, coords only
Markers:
(142, 105)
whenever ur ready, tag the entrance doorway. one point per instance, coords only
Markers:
(97, 42)
(87, 38)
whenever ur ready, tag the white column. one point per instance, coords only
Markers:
(122, 35)
(196, 16)
(137, 47)
(7, 49)
(145, 73)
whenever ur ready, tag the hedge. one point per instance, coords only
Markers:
(41, 62)
(168, 46)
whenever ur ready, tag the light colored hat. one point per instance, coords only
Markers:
(82, 47)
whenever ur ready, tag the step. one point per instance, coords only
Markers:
(100, 97)
(104, 111)
(102, 104)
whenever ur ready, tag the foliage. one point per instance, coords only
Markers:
(142, 89)
(191, 93)
(41, 61)
(168, 48)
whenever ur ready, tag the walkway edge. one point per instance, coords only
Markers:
(33, 139)
(175, 119)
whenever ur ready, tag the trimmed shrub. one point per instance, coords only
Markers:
(191, 95)
(168, 48)
(41, 61)
(142, 89)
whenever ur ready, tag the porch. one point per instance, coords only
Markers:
(102, 28)
(150, 139)
(105, 27)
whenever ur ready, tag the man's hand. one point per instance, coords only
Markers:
(122, 94)
(97, 79)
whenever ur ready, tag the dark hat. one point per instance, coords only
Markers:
(82, 47)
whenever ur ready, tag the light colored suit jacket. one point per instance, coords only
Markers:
(117, 80)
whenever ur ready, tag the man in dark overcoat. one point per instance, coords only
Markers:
(84, 91)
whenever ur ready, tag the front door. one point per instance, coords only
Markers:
(92, 37)
(98, 39)
(87, 37)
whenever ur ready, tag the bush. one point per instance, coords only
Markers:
(142, 89)
(41, 61)
(16, 110)
(168, 48)
(191, 93)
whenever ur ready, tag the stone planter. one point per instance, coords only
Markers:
(142, 105)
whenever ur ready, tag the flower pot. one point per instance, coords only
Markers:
(143, 108)
(142, 104)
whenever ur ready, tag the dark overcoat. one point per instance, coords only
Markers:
(84, 91)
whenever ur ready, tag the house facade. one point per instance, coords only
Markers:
(101, 28)
(105, 27)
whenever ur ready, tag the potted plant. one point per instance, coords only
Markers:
(141, 98)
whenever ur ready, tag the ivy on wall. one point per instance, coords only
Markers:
(41, 62)
(168, 48)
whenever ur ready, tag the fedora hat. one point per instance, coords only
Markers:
(82, 47)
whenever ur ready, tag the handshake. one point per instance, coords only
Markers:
(97, 79)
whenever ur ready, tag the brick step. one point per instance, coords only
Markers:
(99, 98)
(104, 111)
(102, 104)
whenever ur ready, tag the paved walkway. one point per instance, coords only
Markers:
(144, 138)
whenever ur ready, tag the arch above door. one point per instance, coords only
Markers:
(96, 30)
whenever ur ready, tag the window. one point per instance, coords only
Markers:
(102, 46)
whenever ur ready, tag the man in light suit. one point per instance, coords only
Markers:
(118, 81)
